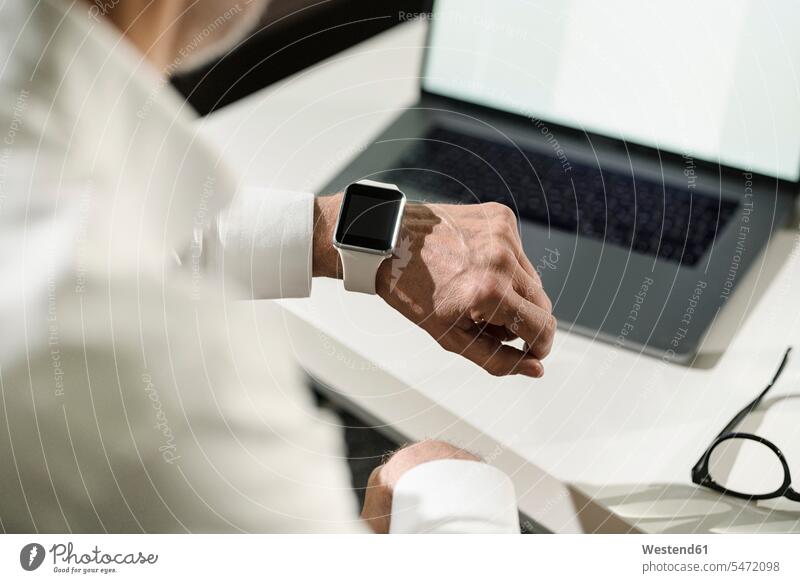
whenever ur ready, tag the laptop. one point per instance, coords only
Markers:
(649, 149)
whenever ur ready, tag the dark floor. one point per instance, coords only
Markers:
(366, 447)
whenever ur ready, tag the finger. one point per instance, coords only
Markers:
(521, 317)
(515, 240)
(502, 333)
(492, 355)
(523, 258)
(531, 289)
(499, 332)
(527, 265)
(527, 281)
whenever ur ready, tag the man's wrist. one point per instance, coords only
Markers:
(325, 258)
(383, 480)
(418, 220)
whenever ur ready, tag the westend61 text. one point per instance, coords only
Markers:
(675, 550)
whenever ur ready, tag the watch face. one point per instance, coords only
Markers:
(369, 217)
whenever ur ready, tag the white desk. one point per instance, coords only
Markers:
(606, 439)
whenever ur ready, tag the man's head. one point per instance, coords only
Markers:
(178, 35)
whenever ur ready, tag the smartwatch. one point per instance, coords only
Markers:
(366, 231)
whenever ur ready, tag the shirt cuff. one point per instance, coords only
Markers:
(454, 496)
(265, 242)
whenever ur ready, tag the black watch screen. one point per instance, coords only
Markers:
(369, 216)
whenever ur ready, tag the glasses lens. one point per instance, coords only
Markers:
(746, 466)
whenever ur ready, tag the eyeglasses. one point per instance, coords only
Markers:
(768, 475)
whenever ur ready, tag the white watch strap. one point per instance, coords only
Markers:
(360, 270)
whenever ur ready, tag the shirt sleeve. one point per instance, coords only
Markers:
(454, 496)
(263, 240)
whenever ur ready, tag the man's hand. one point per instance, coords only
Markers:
(460, 273)
(380, 488)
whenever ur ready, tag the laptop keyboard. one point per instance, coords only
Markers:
(647, 217)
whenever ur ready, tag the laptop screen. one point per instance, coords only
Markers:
(718, 79)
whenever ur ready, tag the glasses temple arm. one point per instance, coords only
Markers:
(755, 402)
(749, 407)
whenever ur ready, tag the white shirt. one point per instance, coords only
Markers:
(134, 395)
